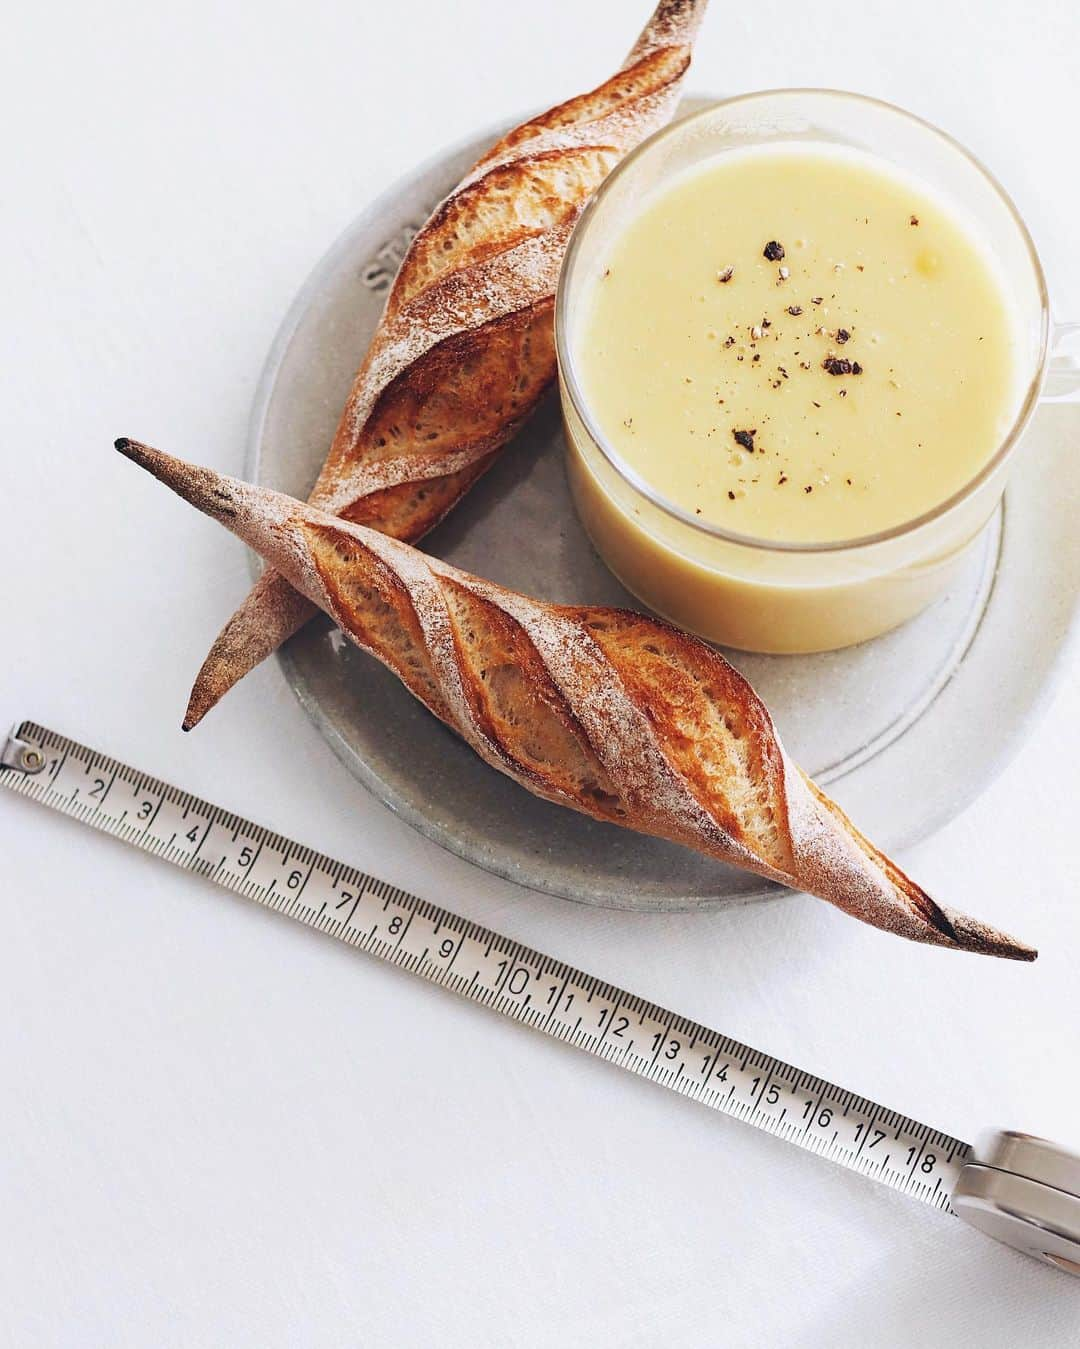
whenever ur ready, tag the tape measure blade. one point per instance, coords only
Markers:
(486, 967)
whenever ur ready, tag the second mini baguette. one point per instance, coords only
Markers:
(610, 712)
(466, 346)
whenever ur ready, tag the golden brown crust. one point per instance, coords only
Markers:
(465, 347)
(454, 400)
(612, 713)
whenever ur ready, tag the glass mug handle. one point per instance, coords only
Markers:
(1063, 368)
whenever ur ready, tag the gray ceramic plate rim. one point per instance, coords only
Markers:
(411, 807)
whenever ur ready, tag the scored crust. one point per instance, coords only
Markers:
(465, 348)
(613, 713)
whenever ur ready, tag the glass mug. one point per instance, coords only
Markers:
(761, 595)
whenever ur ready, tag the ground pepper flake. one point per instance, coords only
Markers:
(745, 439)
(731, 495)
(837, 365)
(794, 310)
(773, 251)
(842, 335)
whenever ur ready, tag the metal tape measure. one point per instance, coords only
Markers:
(1018, 1189)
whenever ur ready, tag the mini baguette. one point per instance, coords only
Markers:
(610, 712)
(465, 348)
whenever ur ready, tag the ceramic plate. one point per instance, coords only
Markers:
(904, 730)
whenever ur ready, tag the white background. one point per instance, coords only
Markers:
(218, 1129)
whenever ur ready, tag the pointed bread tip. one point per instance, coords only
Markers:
(141, 454)
(197, 708)
(210, 492)
(138, 453)
(154, 461)
(971, 935)
(211, 683)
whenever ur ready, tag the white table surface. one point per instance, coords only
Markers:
(220, 1129)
